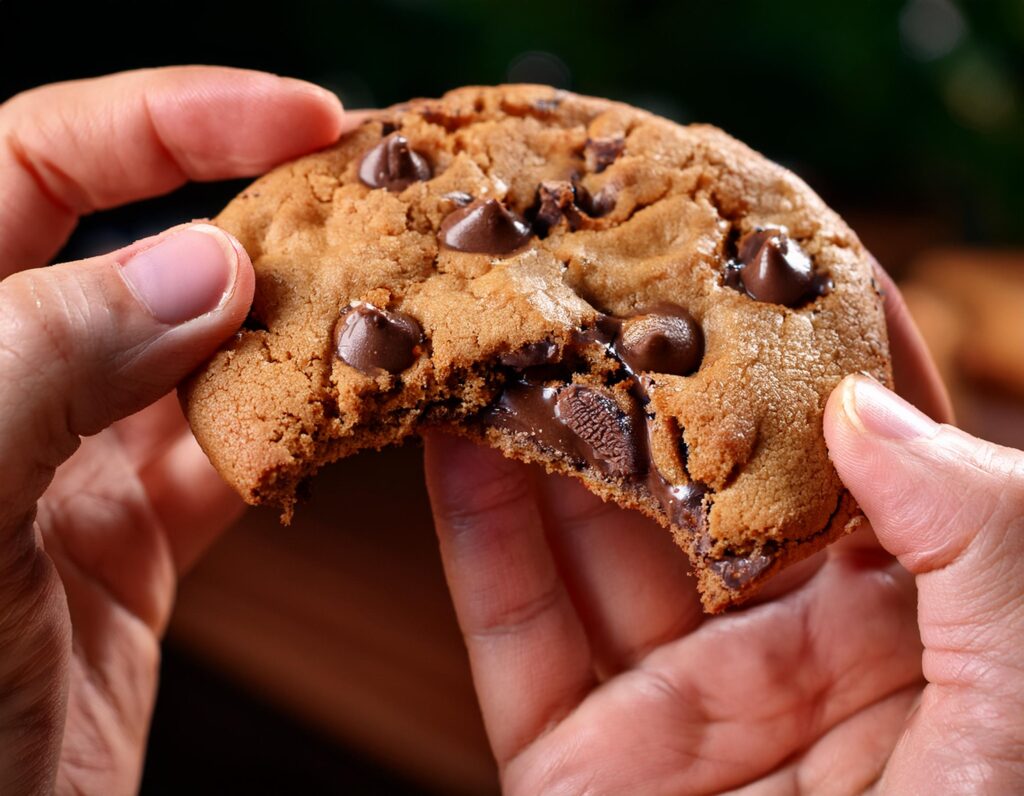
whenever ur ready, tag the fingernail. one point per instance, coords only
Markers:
(874, 409)
(189, 273)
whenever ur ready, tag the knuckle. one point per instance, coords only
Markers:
(476, 507)
(516, 616)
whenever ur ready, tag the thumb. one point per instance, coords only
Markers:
(82, 345)
(951, 508)
(86, 343)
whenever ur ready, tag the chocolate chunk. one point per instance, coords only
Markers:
(556, 199)
(373, 340)
(773, 268)
(738, 571)
(484, 226)
(600, 153)
(606, 432)
(663, 339)
(393, 165)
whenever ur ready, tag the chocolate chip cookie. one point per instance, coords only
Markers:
(654, 309)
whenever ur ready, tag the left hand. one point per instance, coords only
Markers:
(89, 560)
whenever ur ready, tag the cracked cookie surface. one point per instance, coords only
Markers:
(655, 309)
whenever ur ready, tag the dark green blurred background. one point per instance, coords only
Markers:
(907, 117)
(885, 107)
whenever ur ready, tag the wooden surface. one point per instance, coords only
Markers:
(344, 620)
(969, 306)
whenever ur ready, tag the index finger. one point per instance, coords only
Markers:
(68, 149)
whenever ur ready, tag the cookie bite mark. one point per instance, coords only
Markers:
(695, 403)
(485, 226)
(594, 419)
(393, 165)
(772, 267)
(376, 341)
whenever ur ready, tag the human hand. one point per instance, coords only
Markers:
(89, 557)
(597, 672)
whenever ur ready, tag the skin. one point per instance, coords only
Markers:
(595, 669)
(105, 498)
(890, 663)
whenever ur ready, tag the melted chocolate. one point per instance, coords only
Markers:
(682, 503)
(374, 341)
(530, 355)
(587, 425)
(485, 226)
(529, 409)
(773, 268)
(393, 165)
(737, 571)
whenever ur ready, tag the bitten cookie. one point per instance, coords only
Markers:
(654, 309)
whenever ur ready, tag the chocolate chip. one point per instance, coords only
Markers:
(373, 340)
(393, 165)
(773, 268)
(600, 153)
(484, 226)
(738, 571)
(607, 434)
(663, 339)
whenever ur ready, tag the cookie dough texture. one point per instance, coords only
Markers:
(635, 212)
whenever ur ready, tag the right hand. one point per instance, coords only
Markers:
(598, 673)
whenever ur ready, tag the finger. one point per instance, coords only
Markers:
(527, 648)
(71, 148)
(191, 500)
(147, 434)
(916, 376)
(737, 697)
(949, 506)
(84, 344)
(629, 581)
(946, 504)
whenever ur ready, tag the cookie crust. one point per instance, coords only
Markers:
(654, 213)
